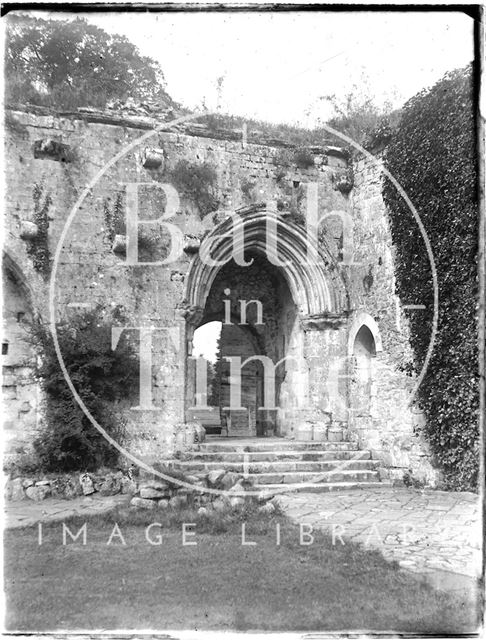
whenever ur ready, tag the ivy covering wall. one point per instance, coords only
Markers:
(433, 156)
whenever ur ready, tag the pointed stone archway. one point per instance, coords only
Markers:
(293, 299)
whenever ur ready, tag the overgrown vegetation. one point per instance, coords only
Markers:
(432, 155)
(303, 158)
(358, 116)
(152, 245)
(71, 63)
(198, 181)
(101, 376)
(38, 247)
(114, 218)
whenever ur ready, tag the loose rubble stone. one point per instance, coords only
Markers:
(17, 490)
(27, 482)
(220, 504)
(266, 508)
(236, 502)
(128, 486)
(177, 502)
(163, 504)
(110, 486)
(150, 492)
(229, 479)
(215, 476)
(38, 493)
(203, 511)
(155, 484)
(143, 503)
(237, 488)
(87, 484)
(71, 490)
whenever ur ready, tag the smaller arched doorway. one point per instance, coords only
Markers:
(362, 388)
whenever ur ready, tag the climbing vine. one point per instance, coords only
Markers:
(432, 154)
(38, 246)
(114, 218)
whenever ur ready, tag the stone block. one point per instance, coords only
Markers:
(142, 503)
(215, 476)
(229, 479)
(152, 494)
(38, 493)
(17, 490)
(87, 484)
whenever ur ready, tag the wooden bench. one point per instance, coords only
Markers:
(210, 419)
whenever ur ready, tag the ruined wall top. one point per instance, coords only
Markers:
(213, 126)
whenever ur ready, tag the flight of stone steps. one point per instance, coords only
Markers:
(279, 464)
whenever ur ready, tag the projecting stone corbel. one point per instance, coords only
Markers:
(50, 149)
(321, 321)
(120, 244)
(191, 244)
(153, 158)
(28, 230)
(193, 315)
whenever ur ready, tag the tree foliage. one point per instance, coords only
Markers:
(71, 63)
(101, 376)
(433, 156)
(357, 115)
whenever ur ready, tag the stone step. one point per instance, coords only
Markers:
(275, 445)
(278, 466)
(324, 487)
(307, 477)
(315, 455)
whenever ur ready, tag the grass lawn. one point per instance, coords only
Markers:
(217, 584)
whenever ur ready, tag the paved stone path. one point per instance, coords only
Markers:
(425, 531)
(23, 513)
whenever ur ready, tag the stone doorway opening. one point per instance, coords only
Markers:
(254, 311)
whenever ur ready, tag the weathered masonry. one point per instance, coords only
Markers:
(333, 323)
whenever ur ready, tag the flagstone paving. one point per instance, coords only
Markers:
(23, 513)
(425, 531)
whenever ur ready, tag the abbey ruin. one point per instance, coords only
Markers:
(332, 320)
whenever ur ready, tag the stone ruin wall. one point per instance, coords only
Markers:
(90, 272)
